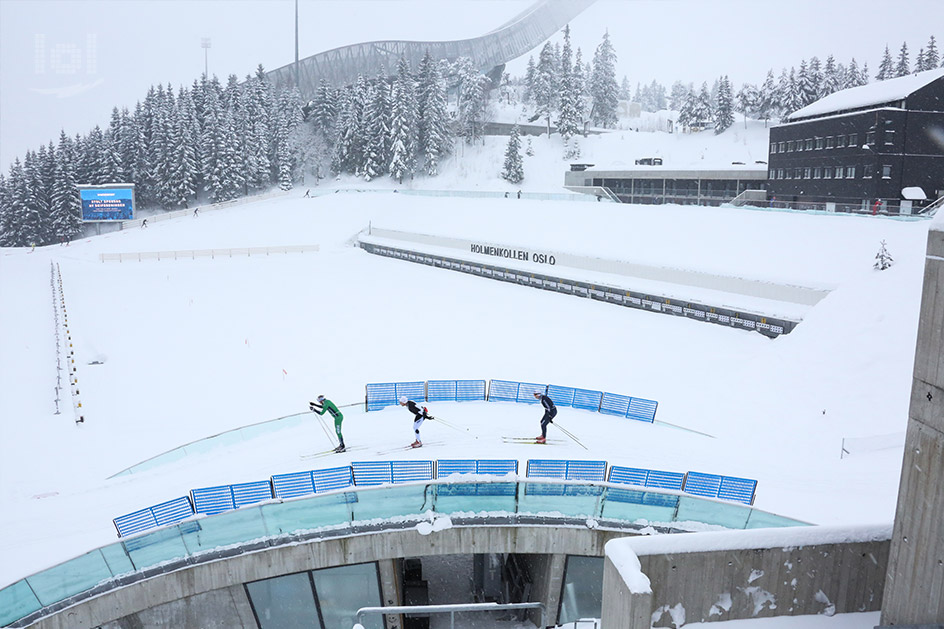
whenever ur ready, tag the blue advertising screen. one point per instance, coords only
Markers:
(107, 204)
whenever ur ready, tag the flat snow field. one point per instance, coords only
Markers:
(186, 349)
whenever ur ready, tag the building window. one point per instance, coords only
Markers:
(827, 173)
(773, 147)
(889, 137)
(780, 173)
(583, 589)
(840, 141)
(809, 144)
(830, 141)
(806, 172)
(781, 147)
(790, 146)
(789, 173)
(820, 143)
(850, 172)
(798, 173)
(870, 137)
(887, 171)
(818, 172)
(838, 172)
(853, 139)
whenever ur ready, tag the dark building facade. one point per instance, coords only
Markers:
(861, 149)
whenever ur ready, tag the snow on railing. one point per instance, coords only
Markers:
(192, 254)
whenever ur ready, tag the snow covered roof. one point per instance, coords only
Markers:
(877, 93)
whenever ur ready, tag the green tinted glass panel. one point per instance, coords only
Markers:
(161, 545)
(569, 500)
(308, 513)
(118, 562)
(226, 528)
(71, 577)
(16, 601)
(763, 520)
(476, 497)
(285, 602)
(696, 510)
(345, 589)
(633, 505)
(391, 501)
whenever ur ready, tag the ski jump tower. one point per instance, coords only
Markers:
(489, 52)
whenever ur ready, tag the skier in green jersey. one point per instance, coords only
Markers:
(324, 404)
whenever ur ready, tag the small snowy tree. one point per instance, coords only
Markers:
(604, 89)
(883, 259)
(513, 169)
(886, 69)
(724, 106)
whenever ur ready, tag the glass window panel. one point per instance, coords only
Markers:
(696, 510)
(116, 558)
(344, 590)
(476, 497)
(74, 576)
(388, 502)
(307, 513)
(159, 546)
(285, 602)
(571, 501)
(16, 601)
(634, 505)
(763, 520)
(582, 592)
(231, 527)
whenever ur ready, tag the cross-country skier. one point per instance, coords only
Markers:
(324, 404)
(420, 413)
(550, 412)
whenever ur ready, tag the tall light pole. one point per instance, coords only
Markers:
(205, 44)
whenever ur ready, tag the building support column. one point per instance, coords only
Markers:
(390, 590)
(914, 586)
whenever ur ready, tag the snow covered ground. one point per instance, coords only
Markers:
(190, 348)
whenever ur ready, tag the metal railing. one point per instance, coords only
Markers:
(193, 254)
(451, 610)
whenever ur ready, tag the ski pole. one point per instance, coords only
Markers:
(704, 434)
(324, 428)
(353, 404)
(569, 434)
(450, 425)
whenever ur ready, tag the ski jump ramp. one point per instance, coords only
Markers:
(489, 52)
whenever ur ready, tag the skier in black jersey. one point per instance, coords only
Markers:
(420, 414)
(550, 412)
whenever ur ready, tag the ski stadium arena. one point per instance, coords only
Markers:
(226, 508)
(729, 442)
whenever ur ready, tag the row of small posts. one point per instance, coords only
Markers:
(213, 500)
(65, 352)
(382, 394)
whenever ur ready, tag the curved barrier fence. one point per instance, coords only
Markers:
(382, 394)
(338, 514)
(213, 500)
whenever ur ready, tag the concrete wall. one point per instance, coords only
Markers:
(226, 608)
(623, 608)
(914, 591)
(748, 574)
(181, 590)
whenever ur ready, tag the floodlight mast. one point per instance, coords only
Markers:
(205, 44)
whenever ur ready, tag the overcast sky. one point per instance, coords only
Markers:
(65, 64)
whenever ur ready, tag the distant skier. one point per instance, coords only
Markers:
(324, 404)
(420, 413)
(550, 412)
